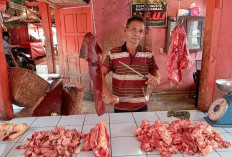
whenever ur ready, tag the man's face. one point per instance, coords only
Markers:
(134, 32)
(6, 38)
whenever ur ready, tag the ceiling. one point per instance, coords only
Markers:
(66, 3)
(31, 13)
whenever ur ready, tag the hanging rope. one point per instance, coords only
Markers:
(94, 27)
(177, 17)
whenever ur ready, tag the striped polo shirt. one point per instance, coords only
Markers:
(126, 83)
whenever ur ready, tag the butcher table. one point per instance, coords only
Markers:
(120, 126)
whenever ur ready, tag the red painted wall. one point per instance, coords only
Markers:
(110, 19)
(6, 108)
(16, 37)
(224, 59)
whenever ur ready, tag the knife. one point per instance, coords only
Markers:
(143, 76)
(121, 99)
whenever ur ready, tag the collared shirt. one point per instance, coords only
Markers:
(126, 83)
(6, 47)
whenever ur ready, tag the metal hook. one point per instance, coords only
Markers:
(177, 17)
(181, 21)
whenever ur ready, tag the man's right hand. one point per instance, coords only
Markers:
(111, 99)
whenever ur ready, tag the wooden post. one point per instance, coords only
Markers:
(59, 40)
(45, 13)
(210, 54)
(6, 108)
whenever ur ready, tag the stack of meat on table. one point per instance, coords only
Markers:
(181, 136)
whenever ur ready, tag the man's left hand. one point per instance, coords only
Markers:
(152, 80)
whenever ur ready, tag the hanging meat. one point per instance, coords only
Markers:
(98, 141)
(178, 55)
(91, 52)
(179, 136)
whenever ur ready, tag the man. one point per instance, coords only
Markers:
(7, 49)
(129, 91)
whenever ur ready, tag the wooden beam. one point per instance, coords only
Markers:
(31, 12)
(209, 56)
(45, 13)
(218, 4)
(50, 3)
(6, 108)
(15, 18)
(30, 4)
(59, 39)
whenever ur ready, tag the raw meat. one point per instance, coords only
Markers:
(98, 140)
(91, 51)
(178, 55)
(10, 131)
(179, 136)
(54, 143)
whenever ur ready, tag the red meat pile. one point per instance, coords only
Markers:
(57, 142)
(178, 55)
(98, 140)
(179, 136)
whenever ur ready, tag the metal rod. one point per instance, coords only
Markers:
(143, 76)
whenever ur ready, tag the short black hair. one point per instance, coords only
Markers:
(135, 18)
(5, 34)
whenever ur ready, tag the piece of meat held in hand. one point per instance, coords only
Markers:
(98, 141)
(10, 131)
(53, 143)
(91, 51)
(179, 136)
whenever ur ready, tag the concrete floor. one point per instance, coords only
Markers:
(158, 102)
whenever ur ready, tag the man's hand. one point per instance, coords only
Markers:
(152, 80)
(111, 99)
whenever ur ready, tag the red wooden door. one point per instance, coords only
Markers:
(72, 24)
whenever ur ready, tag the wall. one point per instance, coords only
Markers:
(110, 20)
(17, 38)
(224, 58)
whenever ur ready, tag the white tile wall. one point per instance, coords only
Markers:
(225, 154)
(5, 148)
(123, 146)
(77, 127)
(71, 120)
(46, 121)
(121, 118)
(123, 129)
(27, 120)
(94, 119)
(85, 154)
(139, 116)
(16, 152)
(163, 116)
(228, 130)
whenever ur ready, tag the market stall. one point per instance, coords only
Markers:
(125, 136)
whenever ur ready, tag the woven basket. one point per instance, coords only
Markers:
(27, 88)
